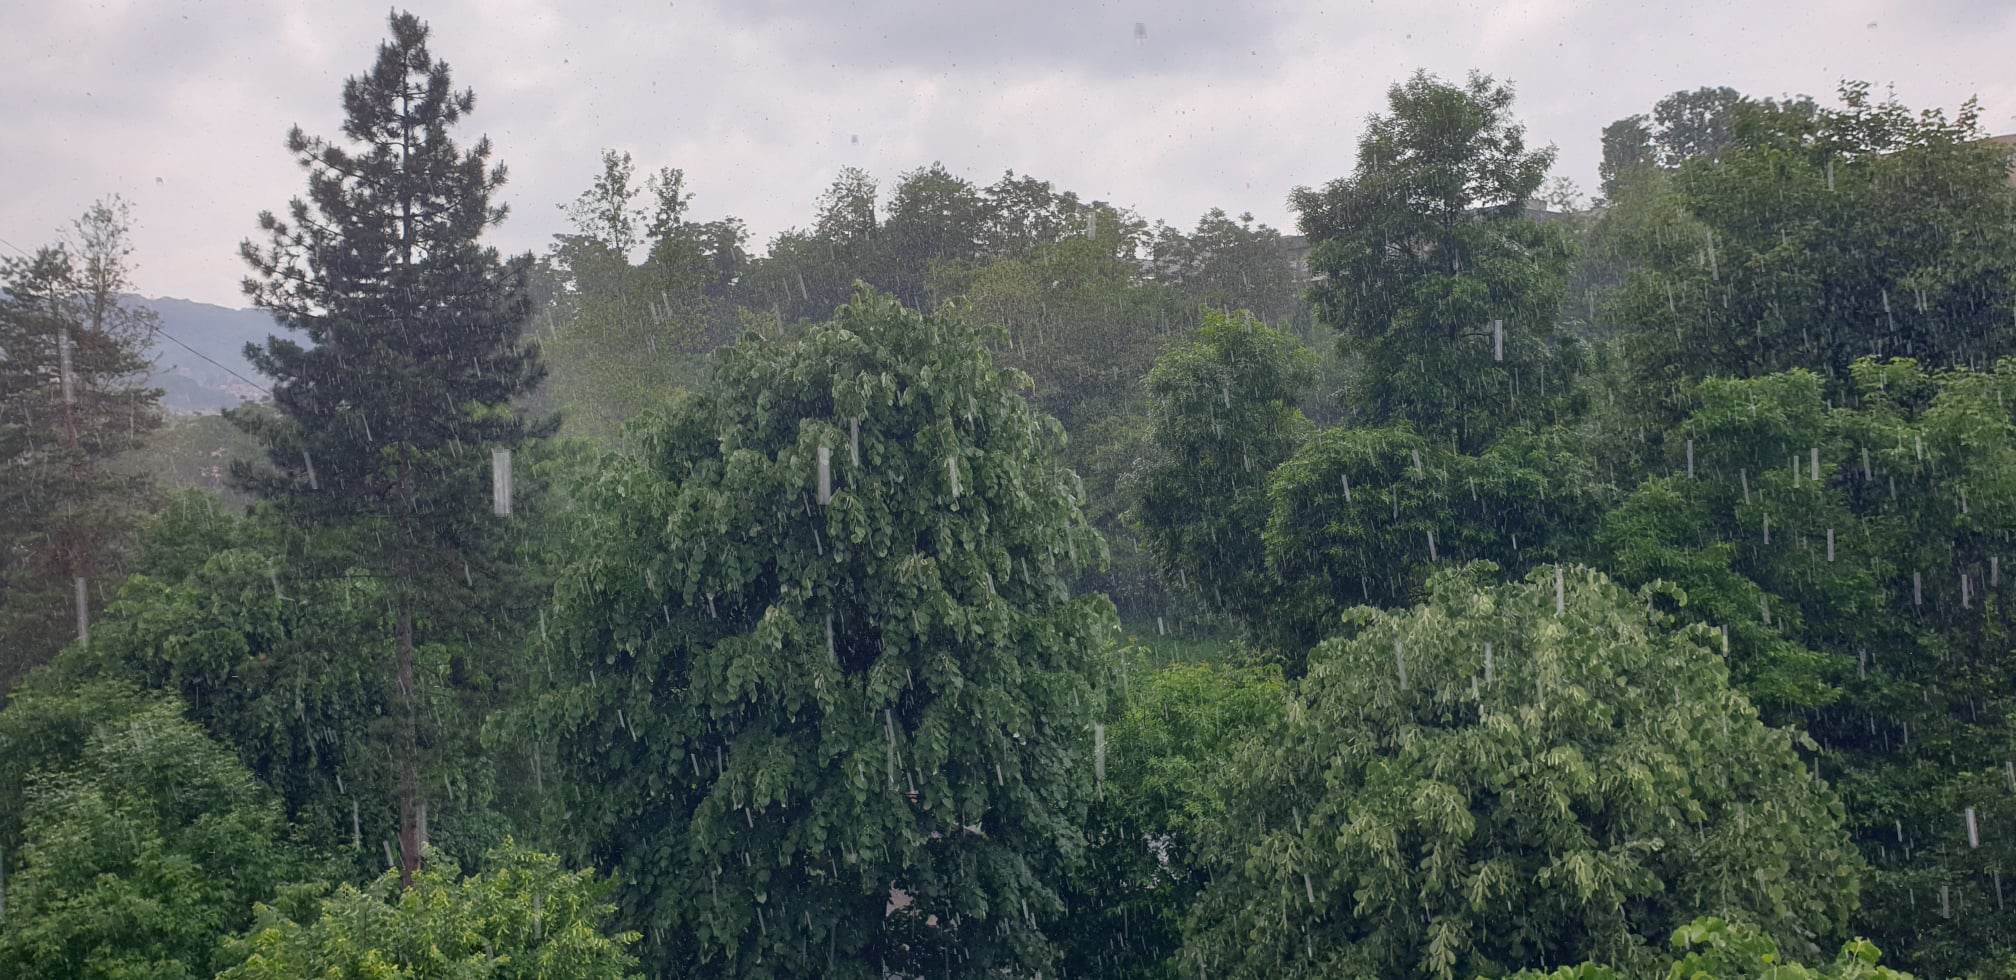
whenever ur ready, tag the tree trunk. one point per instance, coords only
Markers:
(410, 807)
(72, 538)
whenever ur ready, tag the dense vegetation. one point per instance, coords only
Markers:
(988, 581)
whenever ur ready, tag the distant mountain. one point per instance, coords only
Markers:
(192, 384)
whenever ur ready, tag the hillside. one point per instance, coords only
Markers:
(192, 384)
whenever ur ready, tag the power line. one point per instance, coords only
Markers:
(156, 329)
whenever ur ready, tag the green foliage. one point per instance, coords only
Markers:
(71, 512)
(1076, 317)
(1890, 643)
(1230, 265)
(195, 452)
(141, 852)
(1820, 235)
(1075, 320)
(902, 792)
(1369, 513)
(1223, 414)
(388, 417)
(1627, 150)
(1424, 814)
(1174, 728)
(294, 672)
(622, 337)
(1428, 244)
(49, 719)
(525, 917)
(1712, 949)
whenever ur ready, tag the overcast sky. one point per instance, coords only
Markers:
(182, 106)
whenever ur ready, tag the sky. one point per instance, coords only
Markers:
(182, 106)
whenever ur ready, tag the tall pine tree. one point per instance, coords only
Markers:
(413, 357)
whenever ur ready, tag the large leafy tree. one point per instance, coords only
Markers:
(1223, 416)
(1532, 773)
(73, 398)
(524, 918)
(1365, 516)
(1819, 236)
(934, 218)
(1427, 246)
(1024, 212)
(141, 850)
(1627, 151)
(388, 413)
(824, 699)
(1863, 597)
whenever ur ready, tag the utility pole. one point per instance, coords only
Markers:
(75, 548)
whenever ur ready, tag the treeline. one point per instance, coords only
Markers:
(986, 581)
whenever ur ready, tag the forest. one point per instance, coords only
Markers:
(1479, 580)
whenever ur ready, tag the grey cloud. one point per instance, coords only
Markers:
(1101, 39)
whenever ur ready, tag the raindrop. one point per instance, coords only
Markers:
(1830, 544)
(1400, 662)
(308, 463)
(500, 482)
(1973, 830)
(889, 728)
(1560, 593)
(1690, 459)
(1099, 758)
(825, 476)
(1498, 340)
